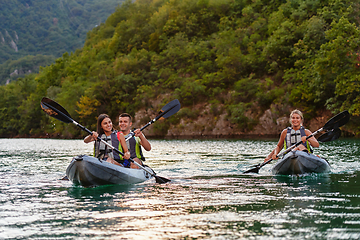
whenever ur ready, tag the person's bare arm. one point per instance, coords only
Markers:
(143, 141)
(91, 137)
(278, 147)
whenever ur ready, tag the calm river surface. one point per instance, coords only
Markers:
(208, 197)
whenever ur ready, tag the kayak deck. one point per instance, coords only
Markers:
(90, 171)
(300, 162)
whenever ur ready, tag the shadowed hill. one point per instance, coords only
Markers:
(229, 61)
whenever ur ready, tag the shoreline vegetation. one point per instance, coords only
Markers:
(189, 137)
(238, 68)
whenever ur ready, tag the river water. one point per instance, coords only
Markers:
(208, 198)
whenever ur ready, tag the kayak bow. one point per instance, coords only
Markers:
(300, 162)
(90, 171)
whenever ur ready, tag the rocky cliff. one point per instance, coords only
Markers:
(206, 125)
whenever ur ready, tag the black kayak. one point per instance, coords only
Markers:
(300, 162)
(90, 171)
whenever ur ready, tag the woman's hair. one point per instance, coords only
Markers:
(101, 118)
(297, 112)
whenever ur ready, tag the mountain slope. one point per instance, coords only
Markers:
(47, 27)
(228, 62)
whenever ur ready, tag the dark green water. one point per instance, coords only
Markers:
(208, 197)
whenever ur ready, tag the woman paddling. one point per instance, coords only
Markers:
(291, 135)
(116, 139)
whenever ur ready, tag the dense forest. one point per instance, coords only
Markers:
(45, 29)
(241, 57)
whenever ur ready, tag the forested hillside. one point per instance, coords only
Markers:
(236, 57)
(45, 27)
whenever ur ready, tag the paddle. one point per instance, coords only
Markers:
(168, 110)
(55, 110)
(331, 126)
(331, 135)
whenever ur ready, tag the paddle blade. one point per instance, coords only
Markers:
(169, 109)
(337, 121)
(331, 135)
(55, 110)
(253, 170)
(257, 167)
(161, 179)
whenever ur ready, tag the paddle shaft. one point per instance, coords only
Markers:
(152, 121)
(176, 107)
(131, 134)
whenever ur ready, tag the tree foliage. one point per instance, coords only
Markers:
(31, 28)
(245, 55)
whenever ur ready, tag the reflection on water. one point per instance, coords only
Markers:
(208, 197)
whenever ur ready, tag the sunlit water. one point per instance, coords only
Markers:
(208, 198)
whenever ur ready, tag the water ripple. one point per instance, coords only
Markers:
(209, 197)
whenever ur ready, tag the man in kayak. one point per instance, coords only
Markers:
(134, 142)
(116, 139)
(291, 135)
